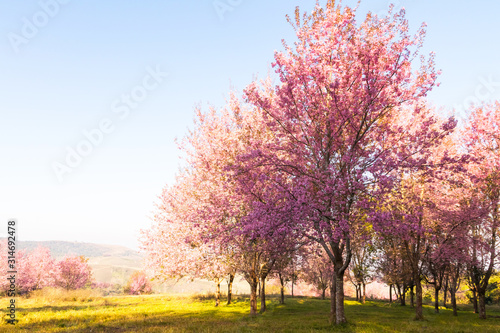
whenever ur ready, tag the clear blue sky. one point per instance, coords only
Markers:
(65, 69)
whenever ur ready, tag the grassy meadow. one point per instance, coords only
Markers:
(84, 312)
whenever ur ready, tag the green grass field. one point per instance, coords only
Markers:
(191, 314)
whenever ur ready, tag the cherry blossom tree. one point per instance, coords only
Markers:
(448, 244)
(73, 273)
(173, 245)
(363, 257)
(426, 214)
(318, 271)
(482, 140)
(236, 196)
(138, 284)
(36, 269)
(169, 252)
(342, 118)
(197, 230)
(4, 266)
(286, 268)
(393, 268)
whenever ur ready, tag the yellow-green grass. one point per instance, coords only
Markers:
(163, 313)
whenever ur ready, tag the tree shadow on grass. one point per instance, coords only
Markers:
(208, 321)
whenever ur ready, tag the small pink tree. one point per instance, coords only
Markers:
(4, 267)
(318, 271)
(36, 270)
(138, 284)
(73, 273)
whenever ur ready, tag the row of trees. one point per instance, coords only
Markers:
(37, 269)
(342, 161)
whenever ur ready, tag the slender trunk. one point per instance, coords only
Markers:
(264, 271)
(454, 285)
(364, 293)
(282, 289)
(419, 314)
(217, 294)
(445, 292)
(230, 288)
(292, 287)
(357, 292)
(340, 314)
(482, 304)
(259, 288)
(453, 301)
(390, 293)
(412, 296)
(253, 296)
(262, 295)
(474, 301)
(436, 299)
(323, 293)
(402, 297)
(333, 301)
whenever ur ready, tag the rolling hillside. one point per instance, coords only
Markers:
(60, 249)
(110, 263)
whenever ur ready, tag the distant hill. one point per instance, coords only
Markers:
(59, 249)
(110, 263)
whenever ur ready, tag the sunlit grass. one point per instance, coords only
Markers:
(163, 313)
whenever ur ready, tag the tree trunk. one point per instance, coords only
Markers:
(217, 294)
(402, 297)
(333, 301)
(454, 285)
(340, 314)
(259, 288)
(445, 292)
(253, 296)
(453, 301)
(364, 293)
(412, 296)
(323, 293)
(419, 314)
(230, 288)
(357, 292)
(436, 299)
(397, 291)
(390, 293)
(282, 289)
(262, 295)
(474, 301)
(292, 287)
(282, 298)
(482, 304)
(339, 266)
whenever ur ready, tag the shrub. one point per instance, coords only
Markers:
(73, 273)
(138, 284)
